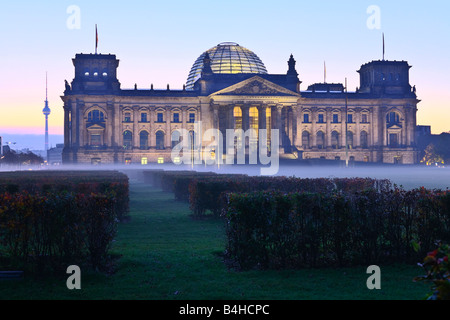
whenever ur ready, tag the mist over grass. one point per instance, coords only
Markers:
(407, 176)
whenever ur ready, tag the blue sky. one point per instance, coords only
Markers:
(158, 41)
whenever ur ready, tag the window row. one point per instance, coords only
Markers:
(159, 139)
(97, 116)
(335, 118)
(335, 140)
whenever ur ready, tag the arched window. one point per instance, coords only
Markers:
(364, 140)
(392, 118)
(159, 140)
(176, 138)
(320, 140)
(143, 140)
(335, 140)
(350, 139)
(127, 140)
(96, 116)
(237, 113)
(305, 139)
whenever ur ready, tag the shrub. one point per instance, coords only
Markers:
(273, 229)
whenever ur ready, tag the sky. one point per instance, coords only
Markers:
(158, 41)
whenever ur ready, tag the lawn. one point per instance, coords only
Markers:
(166, 254)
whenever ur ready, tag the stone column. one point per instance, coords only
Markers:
(245, 117)
(168, 135)
(343, 136)
(135, 128)
(152, 137)
(67, 142)
(298, 126)
(357, 134)
(313, 129)
(290, 124)
(329, 115)
(280, 126)
(384, 127)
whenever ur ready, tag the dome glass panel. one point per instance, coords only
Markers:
(227, 57)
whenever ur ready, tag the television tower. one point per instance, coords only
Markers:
(46, 112)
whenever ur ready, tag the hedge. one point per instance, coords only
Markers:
(304, 229)
(49, 220)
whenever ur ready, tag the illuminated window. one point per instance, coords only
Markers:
(144, 161)
(176, 160)
(160, 160)
(254, 117)
(105, 74)
(237, 112)
(127, 160)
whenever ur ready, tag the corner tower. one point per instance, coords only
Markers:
(385, 77)
(95, 74)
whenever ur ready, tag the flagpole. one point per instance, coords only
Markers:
(324, 73)
(346, 125)
(96, 39)
(383, 46)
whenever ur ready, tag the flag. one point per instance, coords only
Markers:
(96, 39)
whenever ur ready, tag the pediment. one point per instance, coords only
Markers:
(95, 127)
(256, 86)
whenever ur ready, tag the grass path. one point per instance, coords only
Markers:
(165, 254)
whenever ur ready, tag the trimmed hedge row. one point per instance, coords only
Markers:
(302, 229)
(49, 220)
(205, 191)
(85, 182)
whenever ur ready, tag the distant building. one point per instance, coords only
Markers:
(54, 155)
(423, 131)
(229, 88)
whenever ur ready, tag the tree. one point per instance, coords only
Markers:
(432, 157)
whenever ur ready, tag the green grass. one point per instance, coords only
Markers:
(165, 254)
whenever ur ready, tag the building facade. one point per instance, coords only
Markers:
(229, 88)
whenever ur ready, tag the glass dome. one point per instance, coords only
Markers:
(227, 57)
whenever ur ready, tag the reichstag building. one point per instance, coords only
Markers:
(228, 87)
